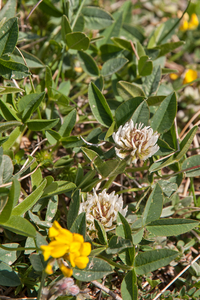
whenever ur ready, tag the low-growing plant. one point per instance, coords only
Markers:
(96, 180)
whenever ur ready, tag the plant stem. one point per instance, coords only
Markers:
(82, 92)
(193, 191)
(60, 66)
(123, 267)
(41, 285)
(77, 14)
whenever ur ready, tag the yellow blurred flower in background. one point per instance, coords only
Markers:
(189, 25)
(174, 76)
(194, 22)
(190, 75)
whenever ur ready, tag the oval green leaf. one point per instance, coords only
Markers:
(113, 65)
(129, 90)
(88, 64)
(77, 41)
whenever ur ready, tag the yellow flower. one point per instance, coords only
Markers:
(173, 76)
(65, 245)
(194, 22)
(190, 75)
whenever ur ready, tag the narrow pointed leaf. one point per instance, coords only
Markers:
(68, 124)
(8, 36)
(99, 106)
(164, 116)
(171, 227)
(27, 203)
(186, 142)
(152, 260)
(153, 208)
(125, 111)
(20, 226)
(129, 288)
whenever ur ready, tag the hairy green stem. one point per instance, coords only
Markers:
(123, 267)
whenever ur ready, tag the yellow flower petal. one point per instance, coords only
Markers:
(67, 272)
(53, 232)
(81, 262)
(85, 249)
(75, 247)
(49, 269)
(64, 236)
(71, 258)
(78, 238)
(46, 251)
(58, 249)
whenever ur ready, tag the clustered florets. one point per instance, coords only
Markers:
(104, 208)
(136, 142)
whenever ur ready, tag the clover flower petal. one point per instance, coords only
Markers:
(135, 142)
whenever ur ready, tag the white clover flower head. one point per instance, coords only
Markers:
(104, 208)
(137, 142)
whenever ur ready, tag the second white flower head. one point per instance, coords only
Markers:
(104, 208)
(137, 141)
